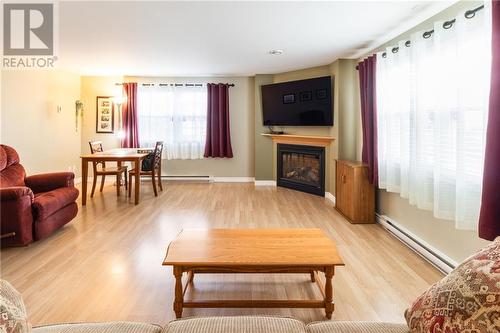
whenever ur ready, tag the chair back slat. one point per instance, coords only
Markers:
(96, 147)
(158, 153)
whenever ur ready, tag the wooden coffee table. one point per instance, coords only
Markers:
(306, 251)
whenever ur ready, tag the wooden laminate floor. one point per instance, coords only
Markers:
(106, 264)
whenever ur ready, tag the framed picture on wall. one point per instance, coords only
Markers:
(105, 115)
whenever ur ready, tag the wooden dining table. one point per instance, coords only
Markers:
(118, 155)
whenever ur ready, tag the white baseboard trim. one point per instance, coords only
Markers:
(232, 179)
(181, 178)
(330, 197)
(437, 258)
(265, 183)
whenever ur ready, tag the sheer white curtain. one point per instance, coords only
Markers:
(175, 115)
(432, 106)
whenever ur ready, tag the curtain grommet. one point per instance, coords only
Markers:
(448, 24)
(428, 34)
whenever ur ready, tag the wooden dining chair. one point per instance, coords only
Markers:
(103, 171)
(155, 171)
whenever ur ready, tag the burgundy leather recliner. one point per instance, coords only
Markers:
(33, 207)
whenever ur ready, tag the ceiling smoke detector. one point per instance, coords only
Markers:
(276, 52)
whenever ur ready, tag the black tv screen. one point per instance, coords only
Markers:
(298, 103)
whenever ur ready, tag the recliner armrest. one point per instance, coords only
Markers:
(50, 181)
(15, 193)
(16, 215)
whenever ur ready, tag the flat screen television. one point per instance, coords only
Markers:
(298, 103)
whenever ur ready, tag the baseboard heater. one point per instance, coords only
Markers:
(426, 251)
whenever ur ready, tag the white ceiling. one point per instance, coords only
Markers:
(226, 38)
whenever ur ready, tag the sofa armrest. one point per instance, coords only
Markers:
(15, 193)
(50, 181)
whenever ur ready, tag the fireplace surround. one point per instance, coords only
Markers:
(302, 168)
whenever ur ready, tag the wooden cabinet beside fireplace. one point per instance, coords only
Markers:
(354, 195)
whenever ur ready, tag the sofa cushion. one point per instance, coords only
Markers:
(466, 300)
(13, 318)
(47, 203)
(111, 327)
(236, 324)
(355, 327)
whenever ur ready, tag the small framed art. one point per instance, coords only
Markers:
(105, 115)
(289, 99)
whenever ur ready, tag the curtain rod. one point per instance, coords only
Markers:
(175, 84)
(446, 25)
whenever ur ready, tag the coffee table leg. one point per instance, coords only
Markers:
(179, 297)
(313, 278)
(328, 292)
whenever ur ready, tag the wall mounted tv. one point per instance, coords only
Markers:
(298, 103)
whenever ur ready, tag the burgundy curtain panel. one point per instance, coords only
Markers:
(218, 142)
(367, 87)
(129, 117)
(489, 218)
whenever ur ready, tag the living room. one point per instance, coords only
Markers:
(244, 163)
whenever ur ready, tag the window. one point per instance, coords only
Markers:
(432, 107)
(175, 115)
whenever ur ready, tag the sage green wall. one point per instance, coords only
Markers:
(263, 146)
(349, 109)
(441, 234)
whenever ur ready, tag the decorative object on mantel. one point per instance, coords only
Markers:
(78, 112)
(308, 140)
(354, 195)
(105, 115)
(273, 131)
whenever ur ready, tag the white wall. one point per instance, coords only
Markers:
(47, 141)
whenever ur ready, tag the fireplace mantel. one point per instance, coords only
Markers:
(308, 140)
